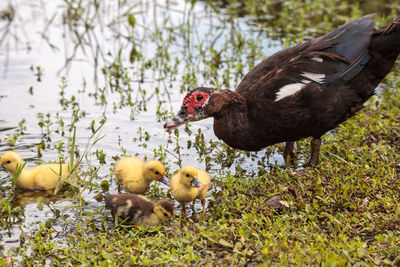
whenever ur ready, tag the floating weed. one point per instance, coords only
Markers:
(38, 72)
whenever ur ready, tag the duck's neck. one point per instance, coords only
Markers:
(147, 174)
(184, 193)
(238, 124)
(231, 119)
(224, 100)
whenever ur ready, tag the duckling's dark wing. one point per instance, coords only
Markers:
(335, 57)
(141, 207)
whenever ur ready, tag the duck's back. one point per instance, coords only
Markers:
(129, 169)
(205, 179)
(130, 208)
(340, 54)
(43, 177)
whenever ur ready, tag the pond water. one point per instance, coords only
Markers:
(112, 72)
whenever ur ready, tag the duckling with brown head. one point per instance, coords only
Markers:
(138, 210)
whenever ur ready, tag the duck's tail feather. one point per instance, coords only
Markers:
(384, 49)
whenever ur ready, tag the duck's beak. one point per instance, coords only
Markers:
(182, 117)
(2, 168)
(163, 180)
(196, 182)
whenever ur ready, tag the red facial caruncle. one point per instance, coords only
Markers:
(194, 100)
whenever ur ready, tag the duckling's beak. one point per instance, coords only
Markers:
(163, 180)
(196, 183)
(182, 117)
(2, 168)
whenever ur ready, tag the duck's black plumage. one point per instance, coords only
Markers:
(302, 91)
(344, 52)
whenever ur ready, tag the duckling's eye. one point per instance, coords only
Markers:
(156, 172)
(8, 161)
(199, 97)
(166, 215)
(187, 175)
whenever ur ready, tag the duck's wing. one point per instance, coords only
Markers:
(138, 208)
(332, 58)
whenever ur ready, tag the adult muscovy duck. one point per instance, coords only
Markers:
(301, 91)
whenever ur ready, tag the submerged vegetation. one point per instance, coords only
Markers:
(93, 81)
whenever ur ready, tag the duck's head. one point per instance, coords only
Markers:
(155, 170)
(198, 104)
(188, 176)
(10, 161)
(164, 210)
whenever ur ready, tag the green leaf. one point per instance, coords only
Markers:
(225, 243)
(131, 20)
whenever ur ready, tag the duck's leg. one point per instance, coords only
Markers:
(203, 203)
(183, 209)
(119, 188)
(288, 153)
(315, 145)
(193, 209)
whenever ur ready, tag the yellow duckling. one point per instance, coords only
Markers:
(42, 177)
(136, 175)
(189, 184)
(137, 209)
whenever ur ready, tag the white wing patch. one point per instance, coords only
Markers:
(316, 77)
(318, 59)
(291, 89)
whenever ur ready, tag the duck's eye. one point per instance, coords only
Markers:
(199, 97)
(156, 173)
(187, 175)
(8, 161)
(166, 215)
